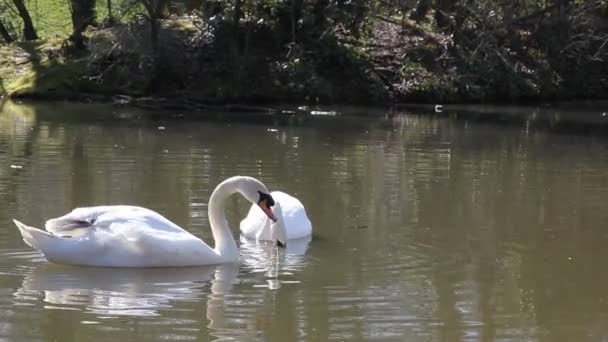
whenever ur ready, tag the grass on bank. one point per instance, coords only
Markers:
(52, 18)
(34, 68)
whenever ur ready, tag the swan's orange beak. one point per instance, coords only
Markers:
(266, 208)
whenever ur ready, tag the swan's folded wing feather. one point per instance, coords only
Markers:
(33, 237)
(131, 216)
(54, 248)
(137, 243)
(101, 217)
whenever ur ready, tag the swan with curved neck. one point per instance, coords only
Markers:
(293, 222)
(131, 236)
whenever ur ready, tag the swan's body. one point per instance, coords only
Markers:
(130, 236)
(292, 223)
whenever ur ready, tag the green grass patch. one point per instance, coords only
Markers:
(56, 80)
(38, 69)
(52, 18)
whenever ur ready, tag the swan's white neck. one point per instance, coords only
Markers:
(225, 246)
(278, 231)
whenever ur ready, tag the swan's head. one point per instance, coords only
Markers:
(278, 232)
(265, 202)
(256, 192)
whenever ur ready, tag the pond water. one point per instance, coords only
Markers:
(468, 225)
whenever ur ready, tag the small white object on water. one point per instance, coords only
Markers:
(604, 114)
(161, 128)
(569, 258)
(321, 112)
(438, 108)
(273, 284)
(272, 130)
(17, 167)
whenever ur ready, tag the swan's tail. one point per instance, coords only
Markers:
(34, 237)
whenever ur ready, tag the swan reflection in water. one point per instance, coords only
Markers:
(145, 291)
(119, 291)
(277, 264)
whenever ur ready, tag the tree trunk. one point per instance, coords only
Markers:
(238, 11)
(155, 10)
(319, 15)
(29, 33)
(422, 9)
(110, 16)
(158, 13)
(295, 16)
(154, 33)
(563, 13)
(443, 11)
(83, 14)
(5, 34)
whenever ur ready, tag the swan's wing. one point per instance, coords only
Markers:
(32, 235)
(75, 220)
(52, 245)
(139, 243)
(102, 217)
(298, 224)
(287, 201)
(296, 220)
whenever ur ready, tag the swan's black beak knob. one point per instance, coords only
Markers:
(280, 244)
(265, 202)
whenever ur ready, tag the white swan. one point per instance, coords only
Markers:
(129, 236)
(292, 223)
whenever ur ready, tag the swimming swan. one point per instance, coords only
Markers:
(292, 223)
(130, 236)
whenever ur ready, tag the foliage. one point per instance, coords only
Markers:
(337, 50)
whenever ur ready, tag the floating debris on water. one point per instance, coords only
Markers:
(272, 130)
(17, 167)
(359, 226)
(438, 108)
(161, 128)
(322, 112)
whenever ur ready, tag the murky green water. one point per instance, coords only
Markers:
(426, 228)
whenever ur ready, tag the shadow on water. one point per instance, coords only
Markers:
(579, 119)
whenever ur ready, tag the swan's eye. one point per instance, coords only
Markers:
(264, 197)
